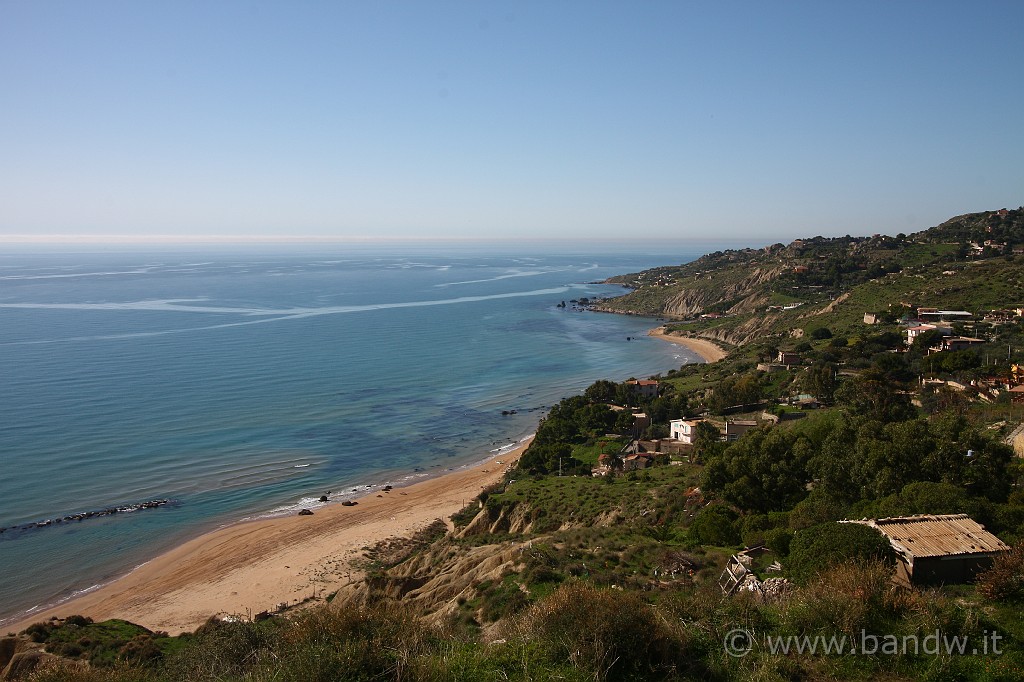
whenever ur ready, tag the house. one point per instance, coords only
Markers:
(1017, 394)
(634, 462)
(938, 549)
(804, 401)
(788, 358)
(645, 388)
(800, 269)
(957, 343)
(606, 464)
(932, 315)
(1000, 315)
(871, 318)
(640, 421)
(735, 429)
(914, 332)
(683, 430)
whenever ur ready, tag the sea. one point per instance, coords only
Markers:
(227, 384)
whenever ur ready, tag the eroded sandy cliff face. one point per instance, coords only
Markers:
(442, 577)
(742, 289)
(747, 292)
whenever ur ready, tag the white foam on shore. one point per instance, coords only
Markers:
(354, 492)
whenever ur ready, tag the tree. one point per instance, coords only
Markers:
(889, 456)
(667, 407)
(765, 470)
(928, 497)
(602, 391)
(820, 381)
(624, 422)
(831, 467)
(735, 390)
(715, 525)
(963, 457)
(547, 458)
(873, 396)
(706, 442)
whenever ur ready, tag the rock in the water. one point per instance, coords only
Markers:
(323, 498)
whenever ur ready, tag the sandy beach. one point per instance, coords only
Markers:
(709, 351)
(255, 566)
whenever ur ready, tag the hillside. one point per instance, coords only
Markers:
(739, 296)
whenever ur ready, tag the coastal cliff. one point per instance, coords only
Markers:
(741, 296)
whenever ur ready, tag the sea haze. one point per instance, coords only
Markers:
(237, 385)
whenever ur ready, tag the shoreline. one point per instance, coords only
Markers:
(709, 351)
(259, 564)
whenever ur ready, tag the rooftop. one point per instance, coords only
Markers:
(930, 535)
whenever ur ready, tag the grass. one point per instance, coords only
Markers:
(105, 643)
(589, 452)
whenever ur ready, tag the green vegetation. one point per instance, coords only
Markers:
(104, 644)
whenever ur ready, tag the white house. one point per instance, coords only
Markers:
(683, 430)
(914, 332)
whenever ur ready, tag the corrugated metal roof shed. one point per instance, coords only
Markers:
(937, 535)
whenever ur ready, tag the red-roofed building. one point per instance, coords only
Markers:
(645, 388)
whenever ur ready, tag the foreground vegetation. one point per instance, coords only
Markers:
(584, 632)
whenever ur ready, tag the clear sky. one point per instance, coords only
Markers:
(766, 120)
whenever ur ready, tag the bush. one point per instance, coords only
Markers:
(778, 540)
(715, 525)
(502, 599)
(1005, 580)
(351, 643)
(608, 633)
(855, 596)
(222, 649)
(819, 548)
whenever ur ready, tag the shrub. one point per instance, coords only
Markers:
(715, 525)
(1005, 579)
(607, 632)
(502, 599)
(819, 548)
(778, 540)
(39, 632)
(351, 643)
(223, 649)
(852, 597)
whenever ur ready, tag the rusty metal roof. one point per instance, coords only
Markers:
(930, 535)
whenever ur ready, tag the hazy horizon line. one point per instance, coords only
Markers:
(185, 240)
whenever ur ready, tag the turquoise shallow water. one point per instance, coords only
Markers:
(241, 384)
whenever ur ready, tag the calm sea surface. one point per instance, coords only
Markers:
(237, 385)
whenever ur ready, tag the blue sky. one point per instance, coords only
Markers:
(452, 120)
